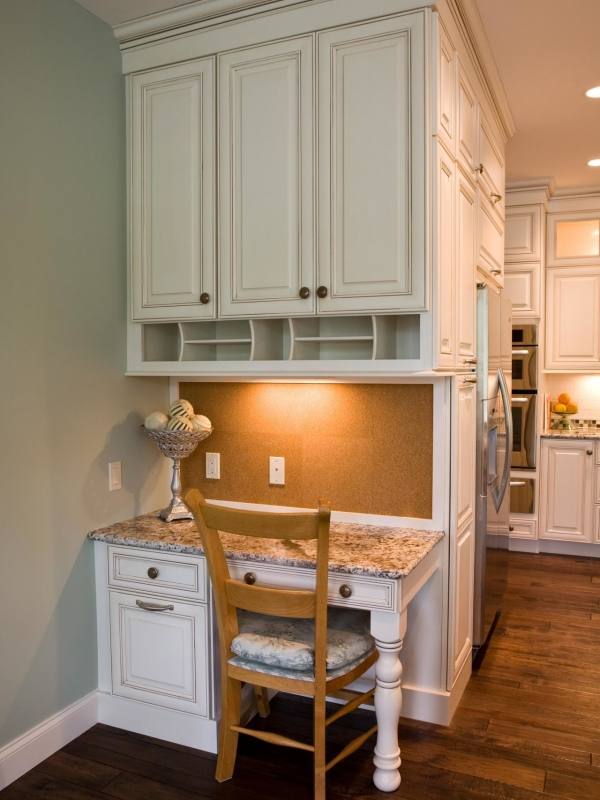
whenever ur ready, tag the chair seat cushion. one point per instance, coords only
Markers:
(289, 643)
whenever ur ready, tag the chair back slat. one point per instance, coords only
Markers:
(296, 603)
(263, 524)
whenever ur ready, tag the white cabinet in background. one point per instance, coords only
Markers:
(567, 501)
(172, 192)
(466, 214)
(266, 198)
(444, 250)
(446, 88)
(490, 239)
(522, 287)
(155, 649)
(573, 318)
(522, 239)
(371, 169)
(467, 123)
(573, 239)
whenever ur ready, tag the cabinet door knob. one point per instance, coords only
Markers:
(511, 528)
(496, 272)
(479, 169)
(345, 591)
(205, 298)
(495, 197)
(304, 292)
(322, 292)
(153, 573)
(250, 578)
(590, 452)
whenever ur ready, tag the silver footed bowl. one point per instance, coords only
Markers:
(177, 444)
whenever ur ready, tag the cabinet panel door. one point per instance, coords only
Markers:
(465, 268)
(573, 318)
(522, 241)
(160, 656)
(490, 238)
(491, 164)
(462, 627)
(172, 193)
(371, 166)
(446, 123)
(467, 122)
(522, 287)
(444, 255)
(567, 504)
(266, 224)
(465, 451)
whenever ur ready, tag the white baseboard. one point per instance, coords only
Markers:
(157, 721)
(27, 751)
(556, 547)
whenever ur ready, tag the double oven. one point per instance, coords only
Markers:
(524, 401)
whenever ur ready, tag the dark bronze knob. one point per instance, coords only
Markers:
(322, 292)
(345, 591)
(304, 292)
(250, 578)
(479, 169)
(204, 298)
(511, 528)
(590, 452)
(153, 573)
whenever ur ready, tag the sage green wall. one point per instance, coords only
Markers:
(65, 407)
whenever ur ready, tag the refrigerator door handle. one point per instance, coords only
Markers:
(509, 437)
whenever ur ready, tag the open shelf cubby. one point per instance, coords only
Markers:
(356, 338)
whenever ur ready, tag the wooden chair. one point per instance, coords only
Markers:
(284, 606)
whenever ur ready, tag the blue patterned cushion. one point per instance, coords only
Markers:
(288, 644)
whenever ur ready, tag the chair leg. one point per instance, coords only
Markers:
(228, 739)
(261, 695)
(319, 743)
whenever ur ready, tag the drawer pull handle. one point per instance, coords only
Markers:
(496, 272)
(345, 591)
(495, 197)
(250, 578)
(153, 573)
(153, 606)
(590, 452)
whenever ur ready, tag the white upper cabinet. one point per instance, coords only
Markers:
(467, 123)
(522, 240)
(491, 169)
(371, 169)
(573, 318)
(522, 287)
(573, 239)
(466, 215)
(172, 193)
(490, 240)
(446, 92)
(266, 203)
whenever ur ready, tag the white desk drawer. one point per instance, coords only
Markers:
(365, 592)
(162, 573)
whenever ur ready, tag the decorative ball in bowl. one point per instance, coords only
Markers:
(177, 434)
(562, 410)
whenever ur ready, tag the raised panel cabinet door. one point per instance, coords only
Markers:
(522, 238)
(266, 223)
(573, 318)
(444, 258)
(446, 89)
(467, 122)
(160, 656)
(172, 191)
(490, 239)
(466, 208)
(491, 168)
(371, 170)
(522, 287)
(462, 616)
(567, 498)
(465, 421)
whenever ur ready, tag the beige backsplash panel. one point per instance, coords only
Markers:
(362, 448)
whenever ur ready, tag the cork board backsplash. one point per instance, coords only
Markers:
(361, 448)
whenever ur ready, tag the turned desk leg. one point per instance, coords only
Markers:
(388, 631)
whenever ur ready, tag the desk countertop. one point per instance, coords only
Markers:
(354, 549)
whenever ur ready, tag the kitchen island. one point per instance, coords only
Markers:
(155, 625)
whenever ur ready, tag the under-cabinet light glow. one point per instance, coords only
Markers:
(593, 92)
(594, 162)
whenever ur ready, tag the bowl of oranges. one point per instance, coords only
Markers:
(562, 410)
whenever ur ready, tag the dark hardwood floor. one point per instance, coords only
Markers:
(528, 726)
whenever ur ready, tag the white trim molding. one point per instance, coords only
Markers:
(40, 742)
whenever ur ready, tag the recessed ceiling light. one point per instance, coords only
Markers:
(594, 162)
(593, 92)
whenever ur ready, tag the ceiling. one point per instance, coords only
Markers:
(547, 53)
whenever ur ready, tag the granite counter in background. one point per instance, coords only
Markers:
(354, 548)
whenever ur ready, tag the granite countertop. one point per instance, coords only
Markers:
(576, 434)
(354, 549)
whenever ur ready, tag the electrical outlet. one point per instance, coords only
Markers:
(277, 470)
(213, 466)
(114, 476)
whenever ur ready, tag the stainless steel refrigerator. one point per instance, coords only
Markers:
(494, 445)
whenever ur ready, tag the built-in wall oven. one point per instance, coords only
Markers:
(524, 396)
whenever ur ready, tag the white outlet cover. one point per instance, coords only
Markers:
(213, 466)
(277, 470)
(114, 476)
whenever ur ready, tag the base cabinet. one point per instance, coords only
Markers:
(567, 499)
